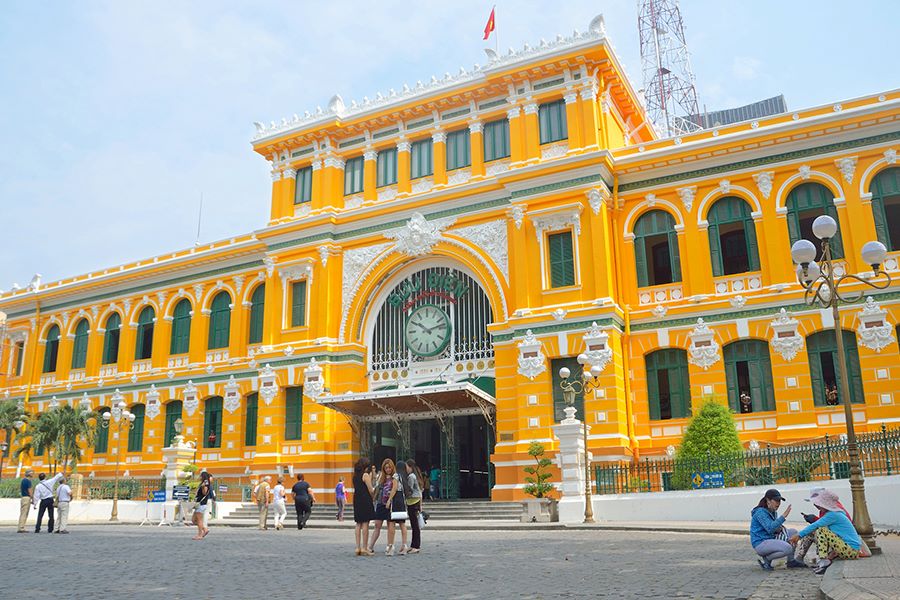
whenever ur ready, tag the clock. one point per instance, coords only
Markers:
(427, 330)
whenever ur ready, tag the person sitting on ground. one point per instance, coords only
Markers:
(768, 536)
(806, 542)
(836, 538)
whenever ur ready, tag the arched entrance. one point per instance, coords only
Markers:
(430, 374)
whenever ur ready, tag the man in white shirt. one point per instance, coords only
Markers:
(63, 497)
(43, 500)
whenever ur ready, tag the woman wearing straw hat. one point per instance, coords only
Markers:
(835, 535)
(768, 536)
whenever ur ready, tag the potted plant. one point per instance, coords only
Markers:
(541, 508)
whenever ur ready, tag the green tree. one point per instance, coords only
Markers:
(12, 421)
(710, 443)
(63, 433)
(536, 482)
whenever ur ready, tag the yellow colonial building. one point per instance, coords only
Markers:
(435, 255)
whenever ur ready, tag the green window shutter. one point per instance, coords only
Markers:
(458, 149)
(552, 121)
(51, 350)
(640, 261)
(837, 246)
(731, 378)
(20, 354)
(143, 344)
(752, 245)
(101, 435)
(387, 167)
(562, 263)
(181, 328)
(298, 304)
(793, 222)
(715, 250)
(219, 321)
(679, 385)
(675, 255)
(886, 187)
(756, 354)
(136, 433)
(250, 420)
(881, 225)
(257, 313)
(558, 403)
(293, 413)
(353, 176)
(173, 413)
(816, 345)
(651, 361)
(851, 355)
(303, 191)
(421, 163)
(79, 347)
(111, 339)
(212, 422)
(496, 140)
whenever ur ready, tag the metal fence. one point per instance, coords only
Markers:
(129, 488)
(820, 460)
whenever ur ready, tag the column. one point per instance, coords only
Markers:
(532, 137)
(277, 211)
(162, 335)
(574, 120)
(94, 352)
(590, 122)
(439, 157)
(272, 317)
(476, 147)
(597, 254)
(516, 136)
(518, 269)
(270, 431)
(696, 263)
(403, 167)
(570, 461)
(857, 224)
(370, 175)
(288, 190)
(317, 183)
(237, 339)
(127, 339)
(332, 184)
(64, 356)
(199, 328)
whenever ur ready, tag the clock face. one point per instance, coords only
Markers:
(427, 330)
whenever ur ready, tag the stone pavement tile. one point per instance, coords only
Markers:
(874, 578)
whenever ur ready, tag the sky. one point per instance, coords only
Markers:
(116, 116)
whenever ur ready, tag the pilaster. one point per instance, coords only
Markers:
(439, 157)
(288, 190)
(370, 175)
(516, 136)
(532, 137)
(277, 211)
(476, 147)
(574, 119)
(589, 117)
(403, 167)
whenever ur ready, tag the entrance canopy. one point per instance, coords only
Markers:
(437, 401)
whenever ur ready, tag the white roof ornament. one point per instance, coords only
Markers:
(492, 56)
(336, 104)
(598, 25)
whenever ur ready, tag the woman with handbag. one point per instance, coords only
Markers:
(414, 504)
(386, 506)
(363, 509)
(768, 535)
(399, 513)
(202, 500)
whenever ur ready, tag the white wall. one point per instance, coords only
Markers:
(85, 511)
(734, 504)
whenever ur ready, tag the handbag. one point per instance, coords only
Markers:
(421, 521)
(398, 506)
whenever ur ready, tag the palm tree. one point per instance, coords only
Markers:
(63, 432)
(40, 436)
(12, 421)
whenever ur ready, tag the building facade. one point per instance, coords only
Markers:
(434, 256)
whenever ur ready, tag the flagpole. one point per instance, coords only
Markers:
(496, 32)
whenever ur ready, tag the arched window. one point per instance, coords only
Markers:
(257, 313)
(885, 190)
(181, 328)
(732, 237)
(293, 413)
(219, 321)
(806, 202)
(111, 339)
(143, 347)
(250, 418)
(101, 434)
(173, 413)
(821, 349)
(656, 249)
(51, 350)
(79, 347)
(668, 384)
(748, 375)
(136, 434)
(212, 422)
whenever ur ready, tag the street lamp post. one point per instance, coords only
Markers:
(822, 287)
(3, 448)
(589, 383)
(119, 417)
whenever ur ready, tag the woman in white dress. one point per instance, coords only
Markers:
(278, 504)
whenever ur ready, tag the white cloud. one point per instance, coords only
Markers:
(745, 68)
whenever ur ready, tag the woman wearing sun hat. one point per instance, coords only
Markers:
(836, 538)
(768, 536)
(806, 543)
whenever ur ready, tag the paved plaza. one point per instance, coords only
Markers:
(126, 561)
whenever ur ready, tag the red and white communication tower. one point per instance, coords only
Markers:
(668, 79)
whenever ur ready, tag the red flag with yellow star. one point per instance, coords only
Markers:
(490, 25)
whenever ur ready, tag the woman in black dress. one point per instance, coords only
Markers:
(363, 509)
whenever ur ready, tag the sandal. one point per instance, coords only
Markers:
(389, 551)
(403, 551)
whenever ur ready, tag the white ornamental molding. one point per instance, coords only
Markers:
(764, 182)
(302, 269)
(554, 150)
(687, 195)
(660, 310)
(786, 340)
(269, 262)
(491, 238)
(724, 186)
(419, 236)
(516, 212)
(559, 314)
(357, 263)
(531, 356)
(232, 400)
(459, 176)
(596, 198)
(847, 167)
(268, 385)
(555, 219)
(804, 171)
(598, 352)
(152, 403)
(704, 350)
(890, 156)
(874, 330)
(190, 402)
(313, 384)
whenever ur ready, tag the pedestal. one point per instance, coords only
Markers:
(176, 457)
(570, 460)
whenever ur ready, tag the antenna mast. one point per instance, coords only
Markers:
(669, 91)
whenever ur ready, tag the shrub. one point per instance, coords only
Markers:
(710, 443)
(536, 483)
(798, 468)
(9, 488)
(753, 476)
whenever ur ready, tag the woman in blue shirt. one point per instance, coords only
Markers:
(768, 535)
(836, 538)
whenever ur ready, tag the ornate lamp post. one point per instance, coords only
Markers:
(822, 287)
(120, 418)
(589, 383)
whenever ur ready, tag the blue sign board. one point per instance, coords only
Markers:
(156, 496)
(708, 479)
